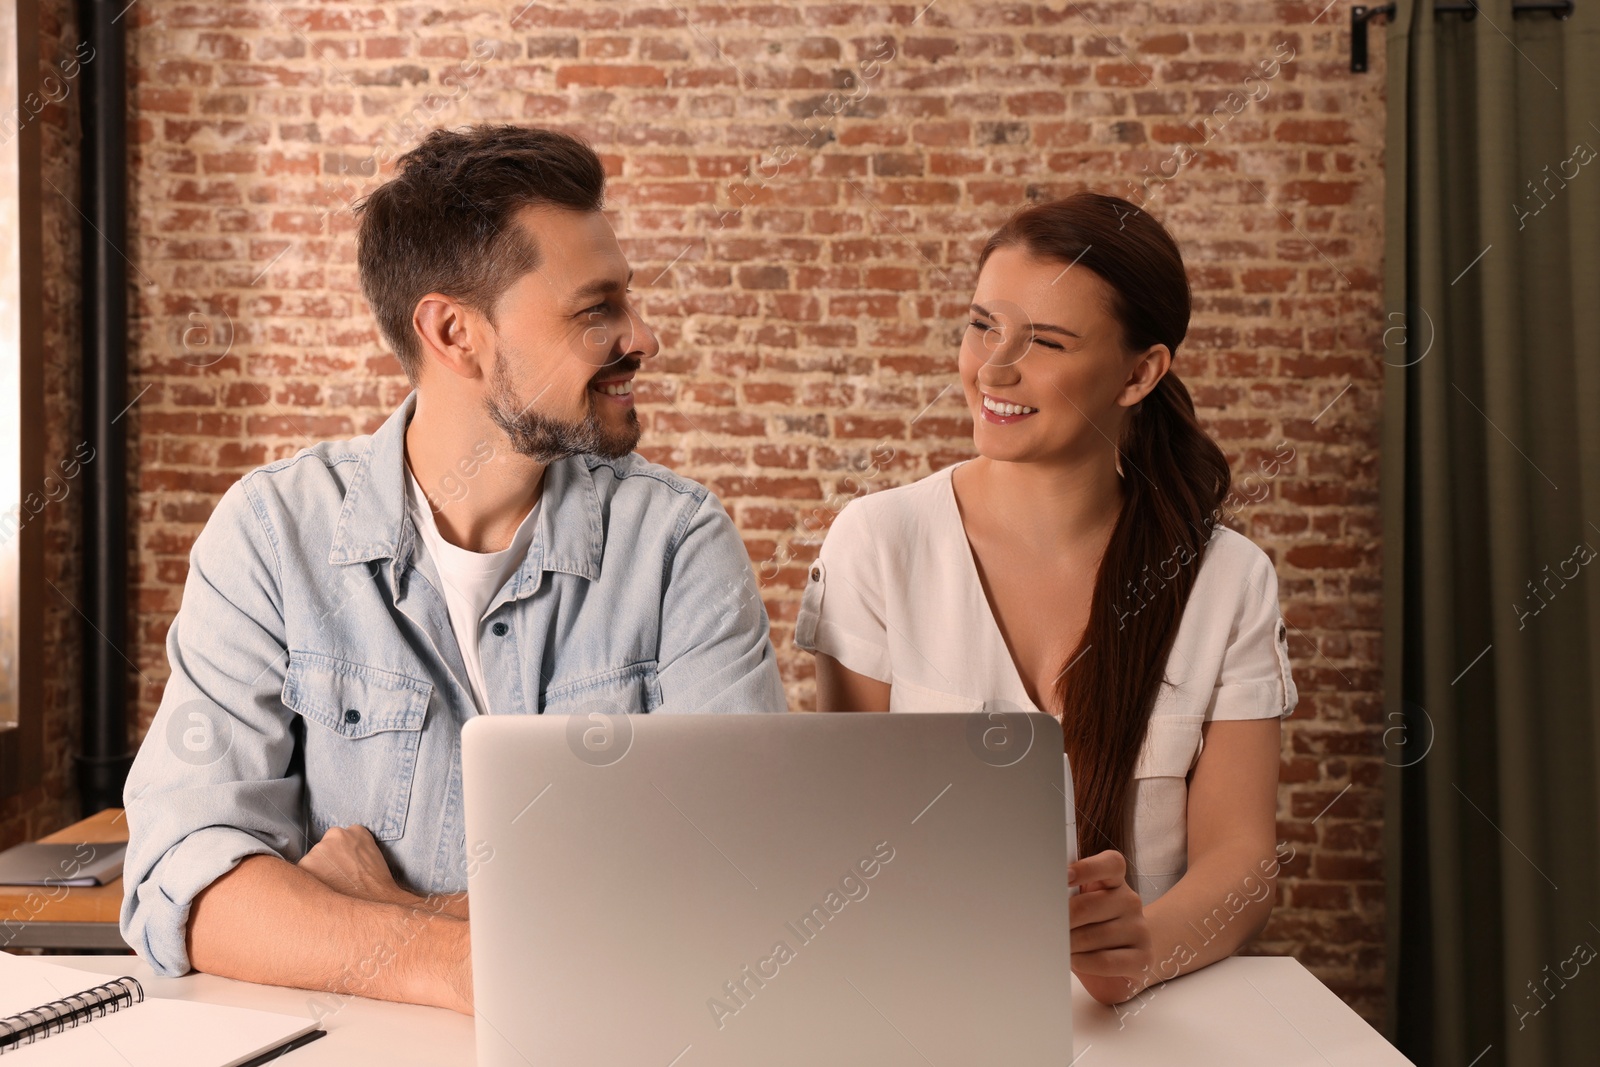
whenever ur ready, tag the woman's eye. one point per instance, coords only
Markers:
(979, 325)
(1050, 344)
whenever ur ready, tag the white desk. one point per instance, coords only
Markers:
(1242, 1011)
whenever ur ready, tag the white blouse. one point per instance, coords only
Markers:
(895, 595)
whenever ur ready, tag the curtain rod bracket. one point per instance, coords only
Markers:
(1359, 16)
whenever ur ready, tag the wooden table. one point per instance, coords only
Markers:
(80, 917)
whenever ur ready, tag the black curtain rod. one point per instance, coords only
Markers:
(1360, 15)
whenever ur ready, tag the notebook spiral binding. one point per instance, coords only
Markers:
(29, 1026)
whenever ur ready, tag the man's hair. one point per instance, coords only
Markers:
(446, 221)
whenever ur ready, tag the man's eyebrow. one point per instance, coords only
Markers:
(1037, 327)
(602, 286)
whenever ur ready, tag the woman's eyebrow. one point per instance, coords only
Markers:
(1038, 327)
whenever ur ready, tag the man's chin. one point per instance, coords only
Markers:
(615, 448)
(607, 446)
(546, 441)
(618, 442)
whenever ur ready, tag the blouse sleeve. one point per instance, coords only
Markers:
(1254, 681)
(842, 606)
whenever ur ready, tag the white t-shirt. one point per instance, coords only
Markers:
(471, 579)
(895, 595)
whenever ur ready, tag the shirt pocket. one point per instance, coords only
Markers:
(1171, 745)
(1158, 853)
(904, 696)
(634, 689)
(364, 727)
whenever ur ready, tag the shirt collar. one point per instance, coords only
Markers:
(375, 524)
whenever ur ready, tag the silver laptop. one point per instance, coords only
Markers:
(697, 890)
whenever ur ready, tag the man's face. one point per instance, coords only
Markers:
(568, 341)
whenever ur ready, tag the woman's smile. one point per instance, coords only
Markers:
(1003, 412)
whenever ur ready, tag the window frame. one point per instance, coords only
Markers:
(22, 370)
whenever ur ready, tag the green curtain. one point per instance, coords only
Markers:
(1491, 517)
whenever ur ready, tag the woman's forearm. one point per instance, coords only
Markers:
(1223, 899)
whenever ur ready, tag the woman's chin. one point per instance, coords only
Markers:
(1008, 442)
(1004, 451)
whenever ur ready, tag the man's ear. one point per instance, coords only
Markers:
(452, 335)
(1148, 369)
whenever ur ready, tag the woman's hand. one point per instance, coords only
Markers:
(347, 860)
(1112, 950)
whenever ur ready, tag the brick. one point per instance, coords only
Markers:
(869, 426)
(1165, 44)
(1314, 131)
(604, 75)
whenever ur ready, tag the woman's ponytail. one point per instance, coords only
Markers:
(1174, 477)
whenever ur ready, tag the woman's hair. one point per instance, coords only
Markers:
(1174, 479)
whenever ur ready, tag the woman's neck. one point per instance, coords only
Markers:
(1041, 506)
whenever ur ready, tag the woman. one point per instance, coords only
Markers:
(1077, 566)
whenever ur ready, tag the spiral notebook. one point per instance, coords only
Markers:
(52, 1015)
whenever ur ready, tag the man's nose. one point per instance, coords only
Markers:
(641, 343)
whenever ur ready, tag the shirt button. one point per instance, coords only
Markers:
(352, 716)
(500, 629)
(816, 574)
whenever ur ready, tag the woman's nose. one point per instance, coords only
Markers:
(1005, 344)
(1001, 364)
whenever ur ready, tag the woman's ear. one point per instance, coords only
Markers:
(1149, 367)
(451, 334)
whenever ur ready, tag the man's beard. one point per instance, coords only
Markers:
(547, 440)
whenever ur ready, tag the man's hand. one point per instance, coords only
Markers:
(1112, 949)
(347, 860)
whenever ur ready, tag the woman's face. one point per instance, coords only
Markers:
(1041, 336)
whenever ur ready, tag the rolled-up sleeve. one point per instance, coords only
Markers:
(716, 650)
(1254, 681)
(842, 610)
(211, 783)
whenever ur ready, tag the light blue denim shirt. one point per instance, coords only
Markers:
(316, 680)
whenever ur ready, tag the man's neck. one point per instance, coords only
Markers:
(479, 489)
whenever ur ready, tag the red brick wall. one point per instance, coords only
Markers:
(808, 297)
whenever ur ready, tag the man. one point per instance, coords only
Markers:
(495, 548)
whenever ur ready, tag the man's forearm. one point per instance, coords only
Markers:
(451, 904)
(268, 921)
